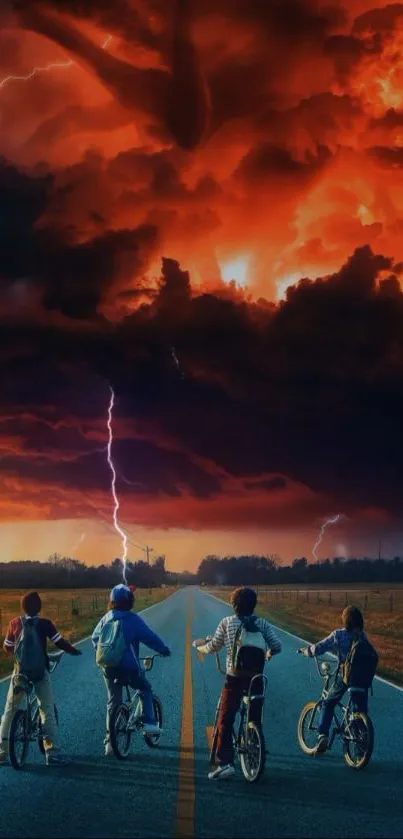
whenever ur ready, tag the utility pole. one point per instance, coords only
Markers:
(148, 551)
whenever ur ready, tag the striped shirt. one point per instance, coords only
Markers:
(225, 636)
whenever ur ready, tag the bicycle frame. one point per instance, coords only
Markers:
(339, 728)
(133, 699)
(247, 700)
(21, 684)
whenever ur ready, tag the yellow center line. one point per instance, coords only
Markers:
(185, 826)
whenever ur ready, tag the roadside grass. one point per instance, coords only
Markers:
(75, 612)
(314, 620)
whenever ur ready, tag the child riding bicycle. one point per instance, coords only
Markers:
(340, 642)
(127, 671)
(229, 634)
(26, 639)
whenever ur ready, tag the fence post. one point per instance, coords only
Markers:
(330, 598)
(307, 596)
(297, 598)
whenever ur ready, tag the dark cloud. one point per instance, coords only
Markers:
(265, 133)
(308, 392)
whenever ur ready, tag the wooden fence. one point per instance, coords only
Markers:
(382, 599)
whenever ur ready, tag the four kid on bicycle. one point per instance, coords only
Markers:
(249, 642)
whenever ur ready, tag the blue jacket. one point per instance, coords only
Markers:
(339, 642)
(135, 632)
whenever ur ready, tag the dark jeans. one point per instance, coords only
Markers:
(230, 701)
(336, 692)
(114, 689)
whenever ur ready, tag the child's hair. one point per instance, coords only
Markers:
(243, 601)
(352, 619)
(31, 603)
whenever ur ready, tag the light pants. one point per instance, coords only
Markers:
(44, 692)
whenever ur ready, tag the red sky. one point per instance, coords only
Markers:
(245, 140)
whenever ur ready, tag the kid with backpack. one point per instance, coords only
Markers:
(116, 639)
(249, 641)
(357, 665)
(26, 639)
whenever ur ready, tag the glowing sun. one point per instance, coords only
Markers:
(237, 270)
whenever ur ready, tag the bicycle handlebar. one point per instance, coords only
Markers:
(149, 660)
(323, 666)
(54, 660)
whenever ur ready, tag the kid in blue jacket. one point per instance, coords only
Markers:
(135, 632)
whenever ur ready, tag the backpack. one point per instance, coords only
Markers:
(29, 654)
(111, 644)
(249, 649)
(360, 665)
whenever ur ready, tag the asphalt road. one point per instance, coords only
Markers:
(165, 792)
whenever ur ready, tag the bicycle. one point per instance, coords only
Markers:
(355, 728)
(127, 718)
(26, 725)
(247, 738)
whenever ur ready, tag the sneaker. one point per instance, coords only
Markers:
(151, 728)
(57, 759)
(321, 745)
(108, 750)
(221, 772)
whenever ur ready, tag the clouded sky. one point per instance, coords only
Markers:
(234, 140)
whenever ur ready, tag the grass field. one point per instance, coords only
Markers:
(313, 613)
(75, 612)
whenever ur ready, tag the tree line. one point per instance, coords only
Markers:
(267, 570)
(65, 572)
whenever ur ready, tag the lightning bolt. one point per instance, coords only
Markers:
(328, 522)
(118, 529)
(176, 362)
(78, 543)
(53, 65)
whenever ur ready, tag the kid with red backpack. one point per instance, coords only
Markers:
(357, 665)
(26, 640)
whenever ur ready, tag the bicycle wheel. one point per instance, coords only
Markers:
(358, 741)
(40, 731)
(308, 728)
(120, 734)
(253, 755)
(152, 740)
(19, 739)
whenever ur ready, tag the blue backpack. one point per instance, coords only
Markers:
(111, 644)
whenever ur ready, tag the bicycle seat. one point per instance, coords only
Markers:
(20, 683)
(353, 689)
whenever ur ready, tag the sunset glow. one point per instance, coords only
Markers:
(237, 271)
